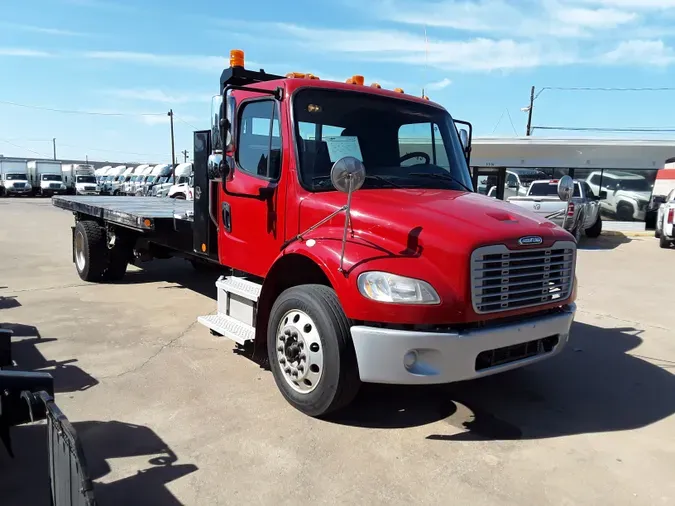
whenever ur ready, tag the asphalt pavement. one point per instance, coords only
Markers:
(169, 414)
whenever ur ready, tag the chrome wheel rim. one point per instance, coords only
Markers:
(79, 251)
(299, 351)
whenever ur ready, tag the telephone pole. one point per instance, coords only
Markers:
(173, 149)
(54, 144)
(185, 155)
(528, 131)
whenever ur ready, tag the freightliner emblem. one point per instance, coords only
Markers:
(530, 240)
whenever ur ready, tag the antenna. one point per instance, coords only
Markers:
(426, 58)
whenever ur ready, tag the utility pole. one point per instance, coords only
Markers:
(528, 132)
(173, 149)
(185, 155)
(54, 144)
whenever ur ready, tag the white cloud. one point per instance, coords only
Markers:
(641, 52)
(194, 62)
(157, 95)
(594, 18)
(439, 85)
(516, 19)
(17, 51)
(404, 47)
(42, 29)
(633, 4)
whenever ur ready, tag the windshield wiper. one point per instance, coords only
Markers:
(445, 176)
(383, 179)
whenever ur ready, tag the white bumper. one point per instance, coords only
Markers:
(385, 355)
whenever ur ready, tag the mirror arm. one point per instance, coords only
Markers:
(300, 236)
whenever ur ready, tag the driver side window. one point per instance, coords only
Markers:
(421, 139)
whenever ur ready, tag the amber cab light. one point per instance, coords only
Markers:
(358, 80)
(236, 58)
(399, 90)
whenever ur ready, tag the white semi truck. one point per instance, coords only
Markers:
(14, 179)
(80, 179)
(46, 178)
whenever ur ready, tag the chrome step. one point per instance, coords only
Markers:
(240, 286)
(227, 326)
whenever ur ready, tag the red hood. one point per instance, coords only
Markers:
(444, 219)
(426, 234)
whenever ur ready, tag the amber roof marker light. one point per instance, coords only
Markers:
(236, 58)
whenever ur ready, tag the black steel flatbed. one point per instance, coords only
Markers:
(139, 213)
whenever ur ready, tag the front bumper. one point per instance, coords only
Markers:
(385, 355)
(18, 191)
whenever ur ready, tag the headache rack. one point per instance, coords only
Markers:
(504, 279)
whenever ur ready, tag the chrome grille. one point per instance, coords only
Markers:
(54, 185)
(504, 279)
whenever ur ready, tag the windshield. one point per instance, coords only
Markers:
(402, 144)
(86, 179)
(549, 190)
(51, 177)
(635, 185)
(527, 179)
(14, 177)
(150, 179)
(163, 179)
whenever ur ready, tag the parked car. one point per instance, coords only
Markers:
(628, 194)
(582, 213)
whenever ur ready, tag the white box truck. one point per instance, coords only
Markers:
(46, 178)
(14, 179)
(80, 179)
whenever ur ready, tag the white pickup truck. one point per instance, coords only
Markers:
(581, 213)
(665, 230)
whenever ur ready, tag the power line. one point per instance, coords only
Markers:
(188, 124)
(23, 147)
(608, 129)
(602, 89)
(68, 111)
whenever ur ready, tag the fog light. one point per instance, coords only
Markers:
(410, 359)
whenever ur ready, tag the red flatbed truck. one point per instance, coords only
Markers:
(357, 249)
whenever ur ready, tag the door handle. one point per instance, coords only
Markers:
(227, 217)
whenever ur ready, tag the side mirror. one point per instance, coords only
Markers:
(227, 122)
(602, 195)
(565, 188)
(464, 138)
(348, 174)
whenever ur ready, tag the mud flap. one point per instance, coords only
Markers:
(72, 243)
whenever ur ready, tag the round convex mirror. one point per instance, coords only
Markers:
(348, 169)
(565, 188)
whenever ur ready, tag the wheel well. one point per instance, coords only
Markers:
(290, 270)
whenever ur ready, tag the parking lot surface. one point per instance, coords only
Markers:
(169, 414)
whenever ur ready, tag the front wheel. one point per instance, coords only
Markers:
(310, 350)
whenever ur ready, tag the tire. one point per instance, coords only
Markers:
(91, 254)
(663, 242)
(657, 234)
(595, 230)
(624, 212)
(334, 379)
(179, 196)
(118, 259)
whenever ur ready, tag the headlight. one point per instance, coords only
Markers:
(386, 287)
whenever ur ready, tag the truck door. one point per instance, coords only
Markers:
(251, 203)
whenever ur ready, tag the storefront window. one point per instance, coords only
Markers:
(628, 191)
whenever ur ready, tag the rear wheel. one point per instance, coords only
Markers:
(91, 256)
(596, 229)
(310, 350)
(624, 212)
(657, 233)
(663, 242)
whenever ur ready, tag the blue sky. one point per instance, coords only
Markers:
(479, 61)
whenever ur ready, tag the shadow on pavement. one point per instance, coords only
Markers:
(604, 242)
(8, 302)
(24, 480)
(593, 386)
(178, 271)
(28, 357)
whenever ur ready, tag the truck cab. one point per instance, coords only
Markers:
(352, 254)
(46, 178)
(14, 179)
(80, 179)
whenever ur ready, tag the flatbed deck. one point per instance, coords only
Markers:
(133, 212)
